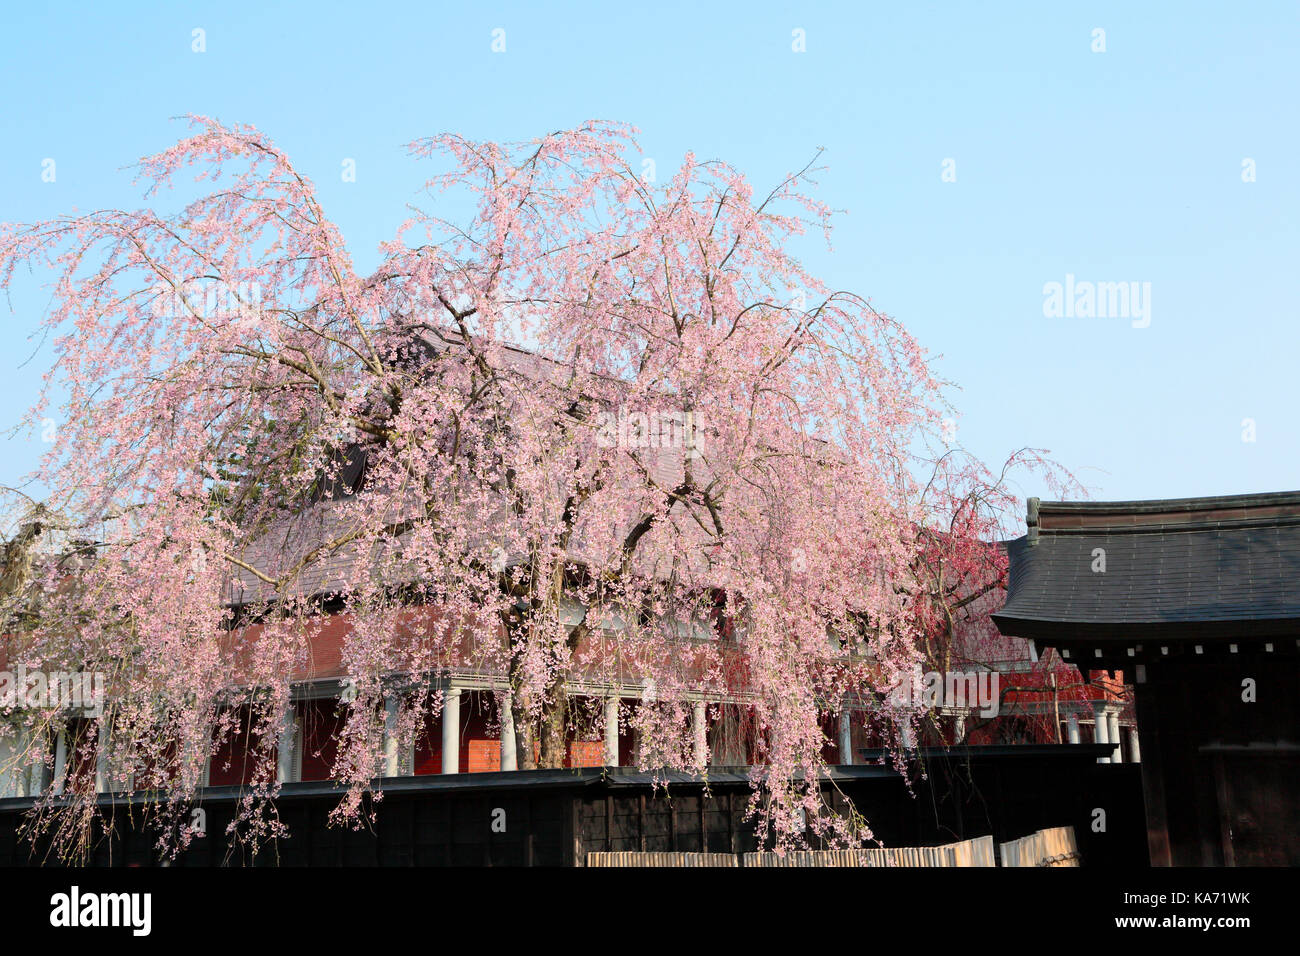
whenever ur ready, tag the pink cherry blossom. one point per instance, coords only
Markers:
(453, 456)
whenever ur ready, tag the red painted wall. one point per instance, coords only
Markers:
(230, 764)
(321, 722)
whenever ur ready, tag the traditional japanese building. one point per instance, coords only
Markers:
(462, 770)
(1199, 599)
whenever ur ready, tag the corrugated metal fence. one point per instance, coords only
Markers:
(1055, 847)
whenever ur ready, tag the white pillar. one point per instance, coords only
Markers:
(700, 730)
(1072, 728)
(846, 738)
(103, 775)
(60, 761)
(1113, 719)
(1101, 732)
(611, 732)
(509, 748)
(11, 773)
(451, 730)
(1134, 753)
(392, 707)
(28, 774)
(285, 762)
(908, 734)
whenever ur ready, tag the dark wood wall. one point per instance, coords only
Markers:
(1008, 792)
(1221, 773)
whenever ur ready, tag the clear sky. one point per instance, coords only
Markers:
(1123, 166)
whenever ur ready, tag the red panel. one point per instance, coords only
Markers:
(484, 756)
(474, 729)
(428, 748)
(586, 753)
(231, 763)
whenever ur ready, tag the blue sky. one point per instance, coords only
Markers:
(1117, 166)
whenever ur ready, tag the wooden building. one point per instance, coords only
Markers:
(1199, 599)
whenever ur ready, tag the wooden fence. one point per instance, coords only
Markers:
(977, 852)
(633, 858)
(1055, 847)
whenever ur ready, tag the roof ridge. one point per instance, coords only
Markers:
(1171, 527)
(1157, 505)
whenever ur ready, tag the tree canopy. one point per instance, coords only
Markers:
(570, 428)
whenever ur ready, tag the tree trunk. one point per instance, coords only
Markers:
(541, 742)
(524, 735)
(555, 712)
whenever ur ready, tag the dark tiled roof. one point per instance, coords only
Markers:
(1203, 567)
